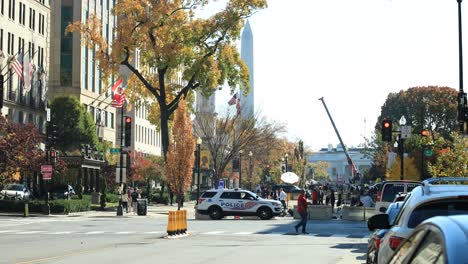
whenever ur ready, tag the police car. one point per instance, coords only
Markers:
(237, 202)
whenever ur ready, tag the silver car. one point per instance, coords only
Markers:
(437, 240)
(15, 192)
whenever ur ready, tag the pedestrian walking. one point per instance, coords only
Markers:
(332, 199)
(282, 198)
(315, 196)
(135, 195)
(320, 196)
(125, 202)
(302, 210)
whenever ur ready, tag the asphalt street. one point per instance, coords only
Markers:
(107, 238)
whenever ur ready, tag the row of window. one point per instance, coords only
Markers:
(100, 116)
(23, 118)
(147, 136)
(31, 47)
(22, 15)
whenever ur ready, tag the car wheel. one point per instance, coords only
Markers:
(265, 213)
(215, 213)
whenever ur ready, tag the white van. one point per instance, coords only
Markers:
(389, 190)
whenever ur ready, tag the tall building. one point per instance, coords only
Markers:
(74, 69)
(24, 37)
(247, 102)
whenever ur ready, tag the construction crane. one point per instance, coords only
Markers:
(354, 170)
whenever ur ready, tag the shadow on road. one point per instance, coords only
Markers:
(359, 248)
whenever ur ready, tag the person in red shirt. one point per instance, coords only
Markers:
(302, 210)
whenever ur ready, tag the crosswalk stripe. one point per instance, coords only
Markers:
(95, 232)
(123, 233)
(243, 233)
(155, 232)
(30, 232)
(214, 233)
(8, 231)
(61, 233)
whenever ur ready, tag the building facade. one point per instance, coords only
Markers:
(247, 102)
(24, 37)
(74, 70)
(339, 169)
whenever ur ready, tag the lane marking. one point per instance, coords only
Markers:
(94, 232)
(61, 232)
(123, 233)
(154, 232)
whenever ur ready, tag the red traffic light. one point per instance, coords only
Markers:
(424, 133)
(128, 119)
(52, 154)
(387, 124)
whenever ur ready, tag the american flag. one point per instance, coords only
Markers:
(17, 65)
(119, 94)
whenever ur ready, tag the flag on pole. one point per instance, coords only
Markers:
(26, 76)
(233, 100)
(119, 94)
(17, 65)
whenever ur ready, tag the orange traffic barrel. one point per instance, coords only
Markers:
(184, 221)
(171, 228)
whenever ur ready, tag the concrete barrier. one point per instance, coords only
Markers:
(357, 213)
(316, 212)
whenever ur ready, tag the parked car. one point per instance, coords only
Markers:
(436, 240)
(15, 191)
(389, 190)
(61, 191)
(375, 238)
(436, 197)
(222, 202)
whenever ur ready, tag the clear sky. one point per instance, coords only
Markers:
(353, 53)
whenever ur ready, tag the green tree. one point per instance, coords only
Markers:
(452, 157)
(75, 125)
(171, 40)
(319, 170)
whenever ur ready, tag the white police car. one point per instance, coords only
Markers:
(237, 202)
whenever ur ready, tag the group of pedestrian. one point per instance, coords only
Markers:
(319, 193)
(132, 195)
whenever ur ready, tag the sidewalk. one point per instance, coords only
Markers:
(154, 211)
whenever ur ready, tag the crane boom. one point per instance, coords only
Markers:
(354, 170)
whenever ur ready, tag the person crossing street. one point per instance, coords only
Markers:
(302, 210)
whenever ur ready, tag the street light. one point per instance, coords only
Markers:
(199, 142)
(401, 147)
(240, 168)
(462, 104)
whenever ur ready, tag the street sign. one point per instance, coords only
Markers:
(114, 150)
(117, 175)
(428, 152)
(46, 171)
(405, 131)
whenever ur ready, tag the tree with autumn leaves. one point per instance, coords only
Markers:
(180, 157)
(172, 42)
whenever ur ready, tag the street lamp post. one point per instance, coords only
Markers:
(199, 142)
(462, 104)
(240, 168)
(286, 160)
(250, 169)
(401, 147)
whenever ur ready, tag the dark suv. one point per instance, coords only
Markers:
(61, 191)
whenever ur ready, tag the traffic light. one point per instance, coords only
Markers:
(53, 156)
(1, 91)
(387, 130)
(52, 134)
(128, 131)
(424, 133)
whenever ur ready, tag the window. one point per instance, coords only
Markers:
(30, 17)
(93, 67)
(30, 118)
(66, 47)
(430, 250)
(11, 43)
(92, 111)
(20, 117)
(111, 120)
(2, 7)
(11, 9)
(98, 116)
(230, 195)
(208, 194)
(22, 14)
(105, 119)
(1, 38)
(437, 208)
